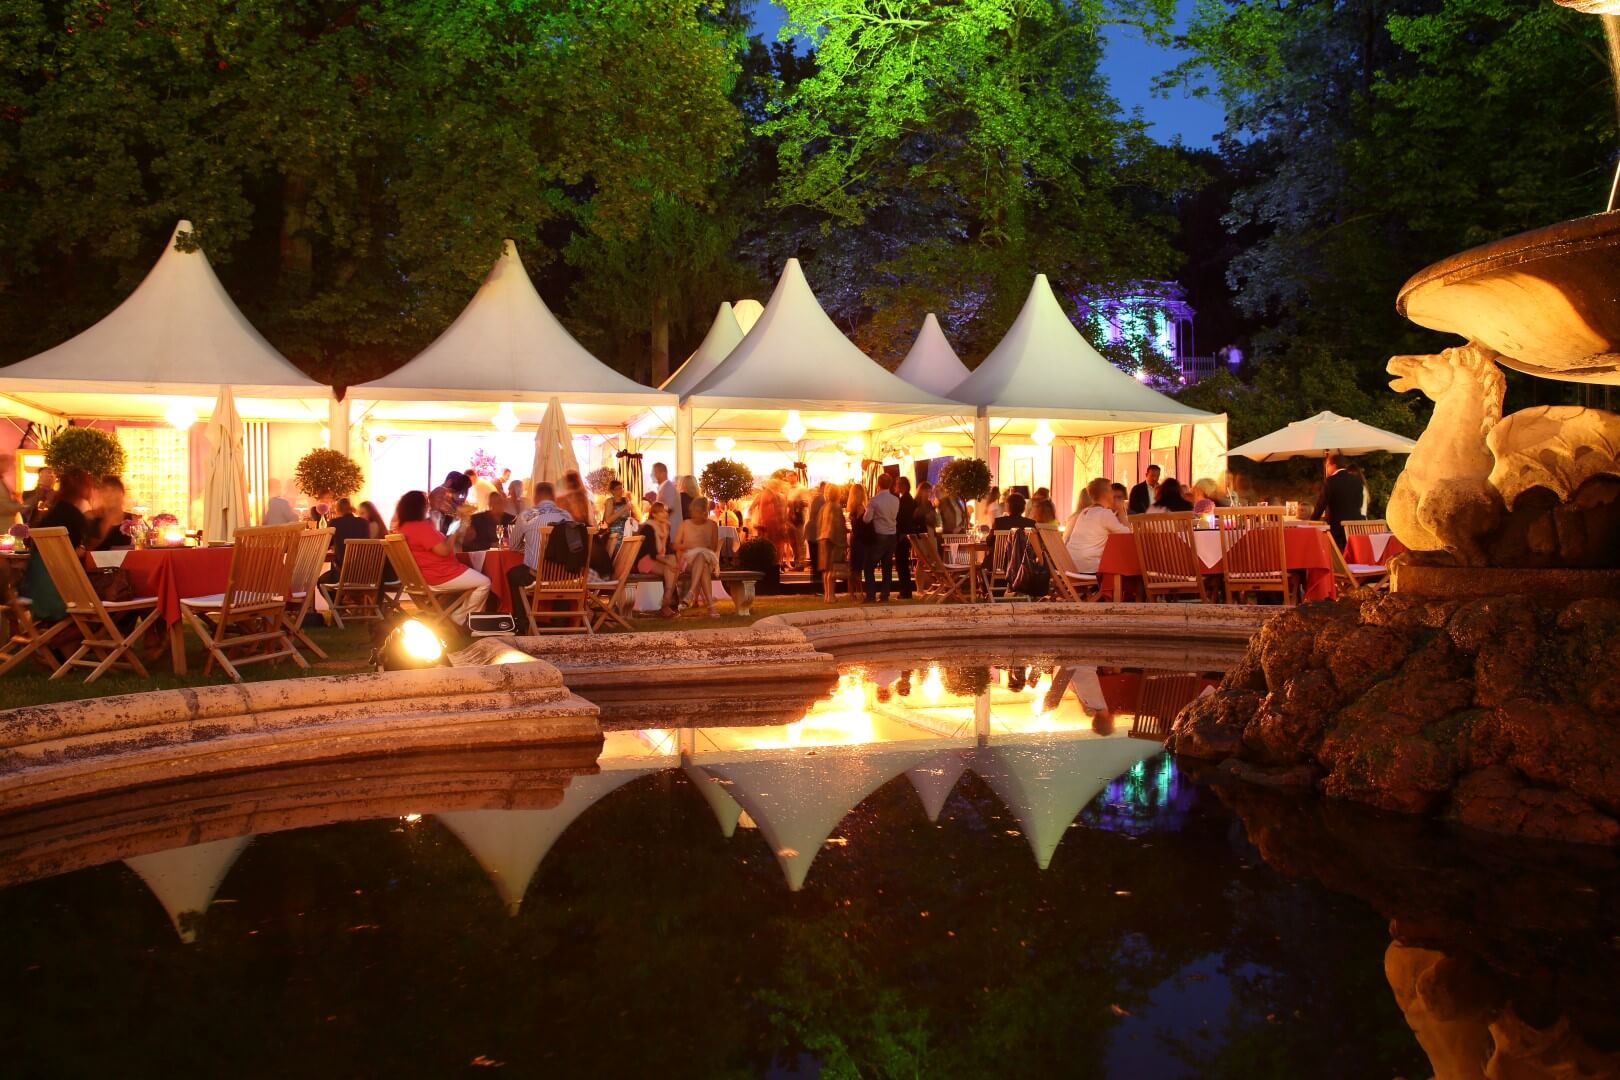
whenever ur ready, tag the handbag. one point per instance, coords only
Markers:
(111, 584)
(1026, 574)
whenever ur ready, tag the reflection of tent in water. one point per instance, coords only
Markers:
(936, 778)
(510, 844)
(1047, 780)
(727, 811)
(798, 798)
(185, 879)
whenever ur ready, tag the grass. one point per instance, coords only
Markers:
(348, 651)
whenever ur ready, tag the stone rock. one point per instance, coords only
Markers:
(1363, 655)
(1496, 799)
(1404, 773)
(1401, 611)
(1479, 622)
(1247, 674)
(1563, 746)
(1433, 682)
(1290, 778)
(1212, 726)
(1286, 734)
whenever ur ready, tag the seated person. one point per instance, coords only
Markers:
(697, 544)
(1091, 526)
(1014, 517)
(482, 531)
(526, 542)
(346, 525)
(436, 559)
(1170, 500)
(657, 554)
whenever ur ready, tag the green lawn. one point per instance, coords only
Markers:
(347, 651)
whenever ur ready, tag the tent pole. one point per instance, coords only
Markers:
(981, 434)
(337, 423)
(684, 437)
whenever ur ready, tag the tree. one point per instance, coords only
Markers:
(90, 449)
(979, 135)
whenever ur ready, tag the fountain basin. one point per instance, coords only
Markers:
(1547, 299)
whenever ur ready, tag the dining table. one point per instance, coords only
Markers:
(1372, 549)
(493, 564)
(170, 573)
(1307, 553)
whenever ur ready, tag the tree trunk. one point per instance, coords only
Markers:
(660, 339)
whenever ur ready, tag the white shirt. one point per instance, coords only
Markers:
(883, 511)
(1088, 534)
(671, 498)
(526, 540)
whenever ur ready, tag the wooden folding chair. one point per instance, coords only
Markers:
(1254, 552)
(1159, 698)
(308, 560)
(1365, 528)
(1067, 582)
(413, 587)
(559, 597)
(24, 638)
(104, 645)
(604, 596)
(996, 567)
(246, 624)
(357, 593)
(1346, 574)
(1167, 555)
(945, 582)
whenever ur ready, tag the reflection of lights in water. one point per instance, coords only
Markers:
(851, 693)
(933, 686)
(1037, 704)
(411, 819)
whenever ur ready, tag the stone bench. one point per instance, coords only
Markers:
(739, 585)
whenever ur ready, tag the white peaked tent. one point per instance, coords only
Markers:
(932, 364)
(511, 844)
(723, 336)
(936, 778)
(797, 799)
(178, 335)
(1046, 780)
(795, 357)
(1043, 368)
(727, 811)
(185, 879)
(225, 498)
(747, 313)
(553, 447)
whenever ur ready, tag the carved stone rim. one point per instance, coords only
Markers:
(1536, 245)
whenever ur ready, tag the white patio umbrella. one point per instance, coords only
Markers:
(1323, 434)
(553, 447)
(225, 497)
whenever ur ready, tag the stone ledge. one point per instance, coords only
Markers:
(672, 656)
(875, 622)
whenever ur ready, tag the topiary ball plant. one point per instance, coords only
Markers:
(323, 471)
(725, 481)
(965, 478)
(96, 452)
(759, 555)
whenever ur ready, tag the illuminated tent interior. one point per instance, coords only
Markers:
(152, 369)
(184, 880)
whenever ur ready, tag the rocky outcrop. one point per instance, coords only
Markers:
(1499, 713)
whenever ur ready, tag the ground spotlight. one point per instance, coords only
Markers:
(411, 644)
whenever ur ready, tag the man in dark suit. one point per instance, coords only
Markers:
(905, 527)
(1143, 494)
(1014, 517)
(1343, 492)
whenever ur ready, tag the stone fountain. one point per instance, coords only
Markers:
(1485, 686)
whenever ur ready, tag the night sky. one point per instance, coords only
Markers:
(1130, 65)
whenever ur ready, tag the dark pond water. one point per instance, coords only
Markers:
(978, 866)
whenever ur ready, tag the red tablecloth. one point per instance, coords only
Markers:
(497, 561)
(171, 573)
(1359, 549)
(1307, 551)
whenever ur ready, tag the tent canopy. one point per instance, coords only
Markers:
(795, 357)
(1044, 369)
(932, 364)
(506, 345)
(723, 336)
(1321, 435)
(177, 335)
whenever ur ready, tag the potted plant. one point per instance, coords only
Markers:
(759, 555)
(327, 472)
(92, 450)
(967, 479)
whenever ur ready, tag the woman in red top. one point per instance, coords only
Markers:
(440, 569)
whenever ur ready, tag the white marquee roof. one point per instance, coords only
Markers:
(932, 364)
(1044, 368)
(506, 345)
(178, 334)
(795, 357)
(723, 336)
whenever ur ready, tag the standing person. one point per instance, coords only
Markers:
(812, 528)
(697, 545)
(832, 540)
(989, 508)
(1091, 526)
(436, 559)
(905, 526)
(861, 537)
(795, 525)
(10, 505)
(1342, 498)
(515, 501)
(881, 513)
(526, 542)
(481, 488)
(37, 501)
(667, 493)
(573, 498)
(953, 514)
(442, 501)
(1144, 495)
